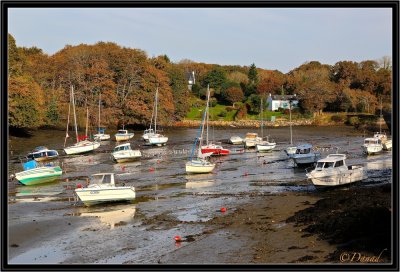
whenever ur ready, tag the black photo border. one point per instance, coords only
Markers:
(394, 5)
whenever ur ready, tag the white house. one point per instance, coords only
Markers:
(191, 80)
(281, 101)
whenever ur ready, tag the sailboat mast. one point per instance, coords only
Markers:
(155, 113)
(262, 119)
(290, 121)
(207, 111)
(69, 112)
(73, 107)
(380, 121)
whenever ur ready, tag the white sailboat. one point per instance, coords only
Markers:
(82, 144)
(150, 131)
(291, 149)
(379, 142)
(101, 135)
(200, 164)
(264, 146)
(156, 138)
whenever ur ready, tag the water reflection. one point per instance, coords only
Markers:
(112, 218)
(200, 184)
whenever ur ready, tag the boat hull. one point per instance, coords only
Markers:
(265, 147)
(387, 145)
(215, 151)
(199, 168)
(305, 159)
(39, 175)
(372, 149)
(236, 140)
(162, 140)
(124, 137)
(102, 137)
(125, 156)
(81, 148)
(354, 174)
(93, 196)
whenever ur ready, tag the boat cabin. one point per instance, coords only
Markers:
(251, 135)
(102, 179)
(372, 141)
(303, 149)
(332, 161)
(122, 131)
(122, 147)
(149, 131)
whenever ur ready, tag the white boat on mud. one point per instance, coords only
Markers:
(372, 146)
(236, 140)
(102, 189)
(386, 143)
(123, 135)
(81, 147)
(333, 171)
(305, 155)
(251, 140)
(124, 153)
(42, 153)
(155, 138)
(264, 146)
(101, 136)
(147, 133)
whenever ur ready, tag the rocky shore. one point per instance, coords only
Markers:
(244, 123)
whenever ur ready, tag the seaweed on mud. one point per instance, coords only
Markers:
(357, 219)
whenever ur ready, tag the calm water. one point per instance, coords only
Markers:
(163, 186)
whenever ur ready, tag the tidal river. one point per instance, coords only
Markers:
(47, 226)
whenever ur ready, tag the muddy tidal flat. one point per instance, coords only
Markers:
(272, 214)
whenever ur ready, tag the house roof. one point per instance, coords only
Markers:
(284, 97)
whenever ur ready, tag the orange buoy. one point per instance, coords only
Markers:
(223, 209)
(178, 238)
(123, 168)
(79, 185)
(151, 169)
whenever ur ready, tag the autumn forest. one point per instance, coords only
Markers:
(39, 85)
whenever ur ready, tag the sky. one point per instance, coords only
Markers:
(271, 38)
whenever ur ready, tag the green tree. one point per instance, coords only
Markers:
(215, 78)
(253, 74)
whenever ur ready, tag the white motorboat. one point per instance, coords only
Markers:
(124, 153)
(35, 174)
(200, 164)
(305, 155)
(156, 138)
(290, 151)
(82, 145)
(251, 140)
(333, 171)
(123, 135)
(101, 136)
(42, 153)
(236, 140)
(102, 189)
(264, 146)
(372, 146)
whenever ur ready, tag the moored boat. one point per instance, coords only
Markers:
(102, 189)
(35, 174)
(124, 153)
(251, 140)
(81, 147)
(264, 146)
(333, 171)
(123, 135)
(236, 140)
(155, 138)
(42, 153)
(372, 146)
(101, 136)
(305, 155)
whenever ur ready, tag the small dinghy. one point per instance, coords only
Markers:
(102, 189)
(333, 171)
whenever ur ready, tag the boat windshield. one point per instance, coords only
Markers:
(122, 131)
(125, 147)
(319, 165)
(99, 179)
(303, 151)
(339, 163)
(328, 164)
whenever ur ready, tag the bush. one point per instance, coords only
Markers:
(354, 121)
(222, 113)
(229, 108)
(337, 118)
(213, 102)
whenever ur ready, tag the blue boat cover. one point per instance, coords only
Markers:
(30, 165)
(102, 130)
